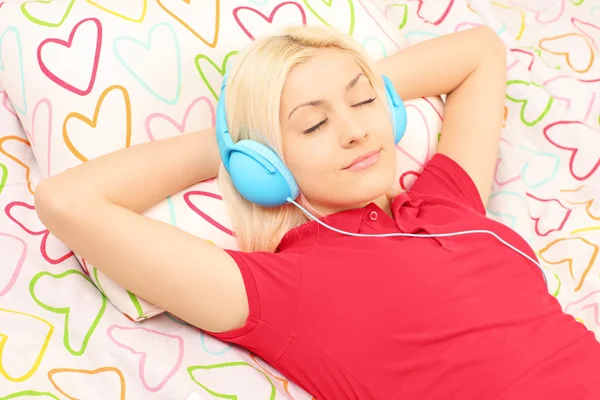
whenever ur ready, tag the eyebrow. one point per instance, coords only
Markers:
(348, 86)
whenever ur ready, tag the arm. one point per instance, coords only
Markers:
(95, 209)
(470, 67)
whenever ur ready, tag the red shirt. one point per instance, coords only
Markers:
(461, 317)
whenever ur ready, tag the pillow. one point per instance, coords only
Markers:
(88, 78)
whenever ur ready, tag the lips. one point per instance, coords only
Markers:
(361, 159)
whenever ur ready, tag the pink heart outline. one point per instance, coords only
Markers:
(210, 220)
(498, 162)
(45, 233)
(377, 22)
(537, 220)
(573, 150)
(441, 19)
(428, 134)
(6, 104)
(143, 355)
(18, 267)
(584, 298)
(506, 182)
(467, 23)
(68, 45)
(592, 100)
(434, 109)
(269, 19)
(573, 19)
(186, 114)
(538, 12)
(31, 135)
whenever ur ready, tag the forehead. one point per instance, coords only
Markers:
(328, 71)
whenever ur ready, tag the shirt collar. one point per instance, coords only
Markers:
(312, 232)
(405, 207)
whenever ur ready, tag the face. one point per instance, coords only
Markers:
(337, 134)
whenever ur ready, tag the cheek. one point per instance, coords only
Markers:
(313, 167)
(308, 157)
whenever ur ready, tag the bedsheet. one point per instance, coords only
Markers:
(60, 339)
(547, 178)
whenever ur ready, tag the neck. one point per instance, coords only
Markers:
(385, 204)
(320, 210)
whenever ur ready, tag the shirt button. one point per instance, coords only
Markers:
(373, 216)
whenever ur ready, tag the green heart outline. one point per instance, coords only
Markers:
(42, 22)
(67, 310)
(132, 297)
(525, 101)
(221, 70)
(28, 393)
(404, 16)
(329, 4)
(4, 176)
(193, 368)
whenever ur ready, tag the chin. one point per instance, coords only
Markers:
(370, 189)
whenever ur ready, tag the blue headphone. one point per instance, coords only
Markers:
(258, 173)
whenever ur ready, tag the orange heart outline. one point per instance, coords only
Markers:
(15, 159)
(569, 260)
(52, 372)
(93, 122)
(215, 39)
(588, 203)
(567, 54)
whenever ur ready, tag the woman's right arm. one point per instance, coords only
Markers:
(96, 210)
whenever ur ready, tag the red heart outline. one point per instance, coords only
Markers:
(537, 220)
(45, 233)
(441, 19)
(68, 44)
(186, 198)
(573, 150)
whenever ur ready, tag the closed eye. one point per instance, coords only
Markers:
(316, 127)
(320, 124)
(364, 103)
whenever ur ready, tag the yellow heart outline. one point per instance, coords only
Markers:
(118, 15)
(38, 361)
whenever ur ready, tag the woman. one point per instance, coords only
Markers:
(343, 316)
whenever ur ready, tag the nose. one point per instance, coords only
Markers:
(351, 131)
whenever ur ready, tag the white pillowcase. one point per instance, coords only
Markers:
(97, 77)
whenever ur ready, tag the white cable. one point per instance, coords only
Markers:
(420, 235)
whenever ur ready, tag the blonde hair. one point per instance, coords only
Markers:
(254, 88)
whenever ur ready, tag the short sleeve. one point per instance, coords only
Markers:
(272, 282)
(442, 176)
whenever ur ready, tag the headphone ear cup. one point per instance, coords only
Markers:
(260, 176)
(399, 118)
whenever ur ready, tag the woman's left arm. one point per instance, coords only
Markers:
(470, 67)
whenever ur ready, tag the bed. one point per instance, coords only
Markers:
(60, 338)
